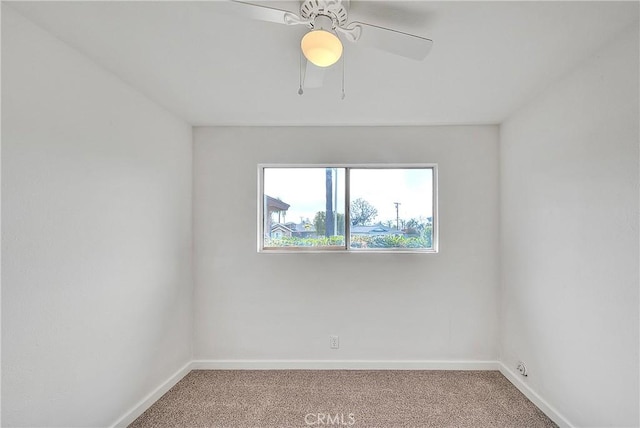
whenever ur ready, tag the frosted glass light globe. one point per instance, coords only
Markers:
(321, 47)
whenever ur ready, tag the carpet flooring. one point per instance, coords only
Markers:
(343, 398)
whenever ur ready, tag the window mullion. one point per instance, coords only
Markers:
(347, 214)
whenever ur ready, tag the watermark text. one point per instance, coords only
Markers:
(335, 419)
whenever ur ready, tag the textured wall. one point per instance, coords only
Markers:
(383, 306)
(569, 226)
(96, 237)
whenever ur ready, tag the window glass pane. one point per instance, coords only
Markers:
(391, 208)
(303, 207)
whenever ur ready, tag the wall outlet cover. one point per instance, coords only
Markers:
(334, 342)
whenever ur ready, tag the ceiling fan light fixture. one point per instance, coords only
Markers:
(321, 48)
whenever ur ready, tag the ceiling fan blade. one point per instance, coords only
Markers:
(313, 75)
(392, 41)
(264, 13)
(352, 34)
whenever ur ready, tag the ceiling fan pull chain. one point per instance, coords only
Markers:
(300, 90)
(343, 94)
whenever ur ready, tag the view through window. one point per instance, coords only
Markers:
(349, 208)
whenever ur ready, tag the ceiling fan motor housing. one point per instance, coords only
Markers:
(333, 9)
(323, 22)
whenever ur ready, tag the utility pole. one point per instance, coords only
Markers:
(328, 218)
(397, 215)
(334, 171)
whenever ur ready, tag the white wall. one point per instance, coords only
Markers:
(96, 237)
(569, 227)
(383, 306)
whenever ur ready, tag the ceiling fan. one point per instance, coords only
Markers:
(327, 21)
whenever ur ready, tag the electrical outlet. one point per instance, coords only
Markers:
(334, 342)
(522, 369)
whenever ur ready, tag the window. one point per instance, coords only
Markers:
(295, 203)
(355, 208)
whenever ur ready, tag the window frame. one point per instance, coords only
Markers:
(347, 208)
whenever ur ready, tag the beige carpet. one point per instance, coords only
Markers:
(343, 398)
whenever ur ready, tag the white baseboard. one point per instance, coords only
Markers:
(343, 365)
(548, 410)
(154, 396)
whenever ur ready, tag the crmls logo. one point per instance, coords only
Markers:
(329, 419)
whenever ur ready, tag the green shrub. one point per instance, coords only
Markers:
(357, 241)
(294, 241)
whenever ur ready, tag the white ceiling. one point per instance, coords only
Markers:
(212, 68)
